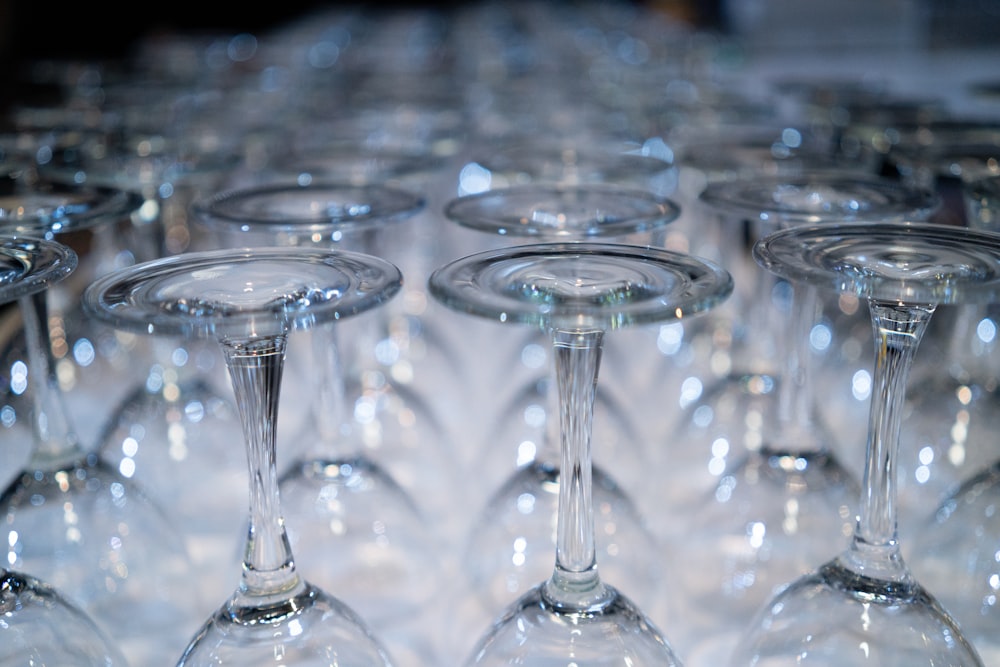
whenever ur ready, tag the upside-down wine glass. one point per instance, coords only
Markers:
(956, 545)
(506, 550)
(250, 301)
(167, 426)
(42, 627)
(338, 491)
(84, 526)
(953, 402)
(39, 624)
(86, 218)
(781, 496)
(576, 292)
(865, 606)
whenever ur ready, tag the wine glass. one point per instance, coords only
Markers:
(39, 624)
(87, 528)
(763, 489)
(955, 544)
(89, 360)
(250, 301)
(171, 416)
(576, 292)
(339, 484)
(953, 408)
(42, 627)
(865, 606)
(506, 550)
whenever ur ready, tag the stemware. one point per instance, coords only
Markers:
(506, 550)
(90, 361)
(87, 528)
(171, 414)
(250, 301)
(954, 548)
(762, 483)
(381, 502)
(39, 623)
(865, 606)
(576, 292)
(42, 627)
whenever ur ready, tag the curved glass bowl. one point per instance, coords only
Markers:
(562, 211)
(42, 627)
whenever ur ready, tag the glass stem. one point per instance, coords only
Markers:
(55, 442)
(329, 395)
(255, 367)
(575, 584)
(797, 432)
(875, 548)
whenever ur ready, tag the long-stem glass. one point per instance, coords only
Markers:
(955, 546)
(249, 301)
(507, 546)
(576, 292)
(85, 527)
(775, 492)
(865, 606)
(165, 424)
(40, 624)
(337, 484)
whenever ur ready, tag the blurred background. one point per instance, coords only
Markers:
(110, 29)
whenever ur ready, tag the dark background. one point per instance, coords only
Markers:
(31, 29)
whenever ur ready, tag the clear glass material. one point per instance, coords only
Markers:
(577, 292)
(250, 301)
(91, 361)
(338, 487)
(865, 606)
(649, 166)
(166, 425)
(561, 212)
(762, 488)
(955, 545)
(41, 627)
(87, 528)
(506, 549)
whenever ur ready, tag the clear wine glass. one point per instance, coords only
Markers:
(954, 546)
(576, 292)
(86, 218)
(85, 527)
(865, 606)
(168, 422)
(338, 483)
(43, 627)
(762, 489)
(39, 624)
(250, 301)
(953, 407)
(506, 549)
